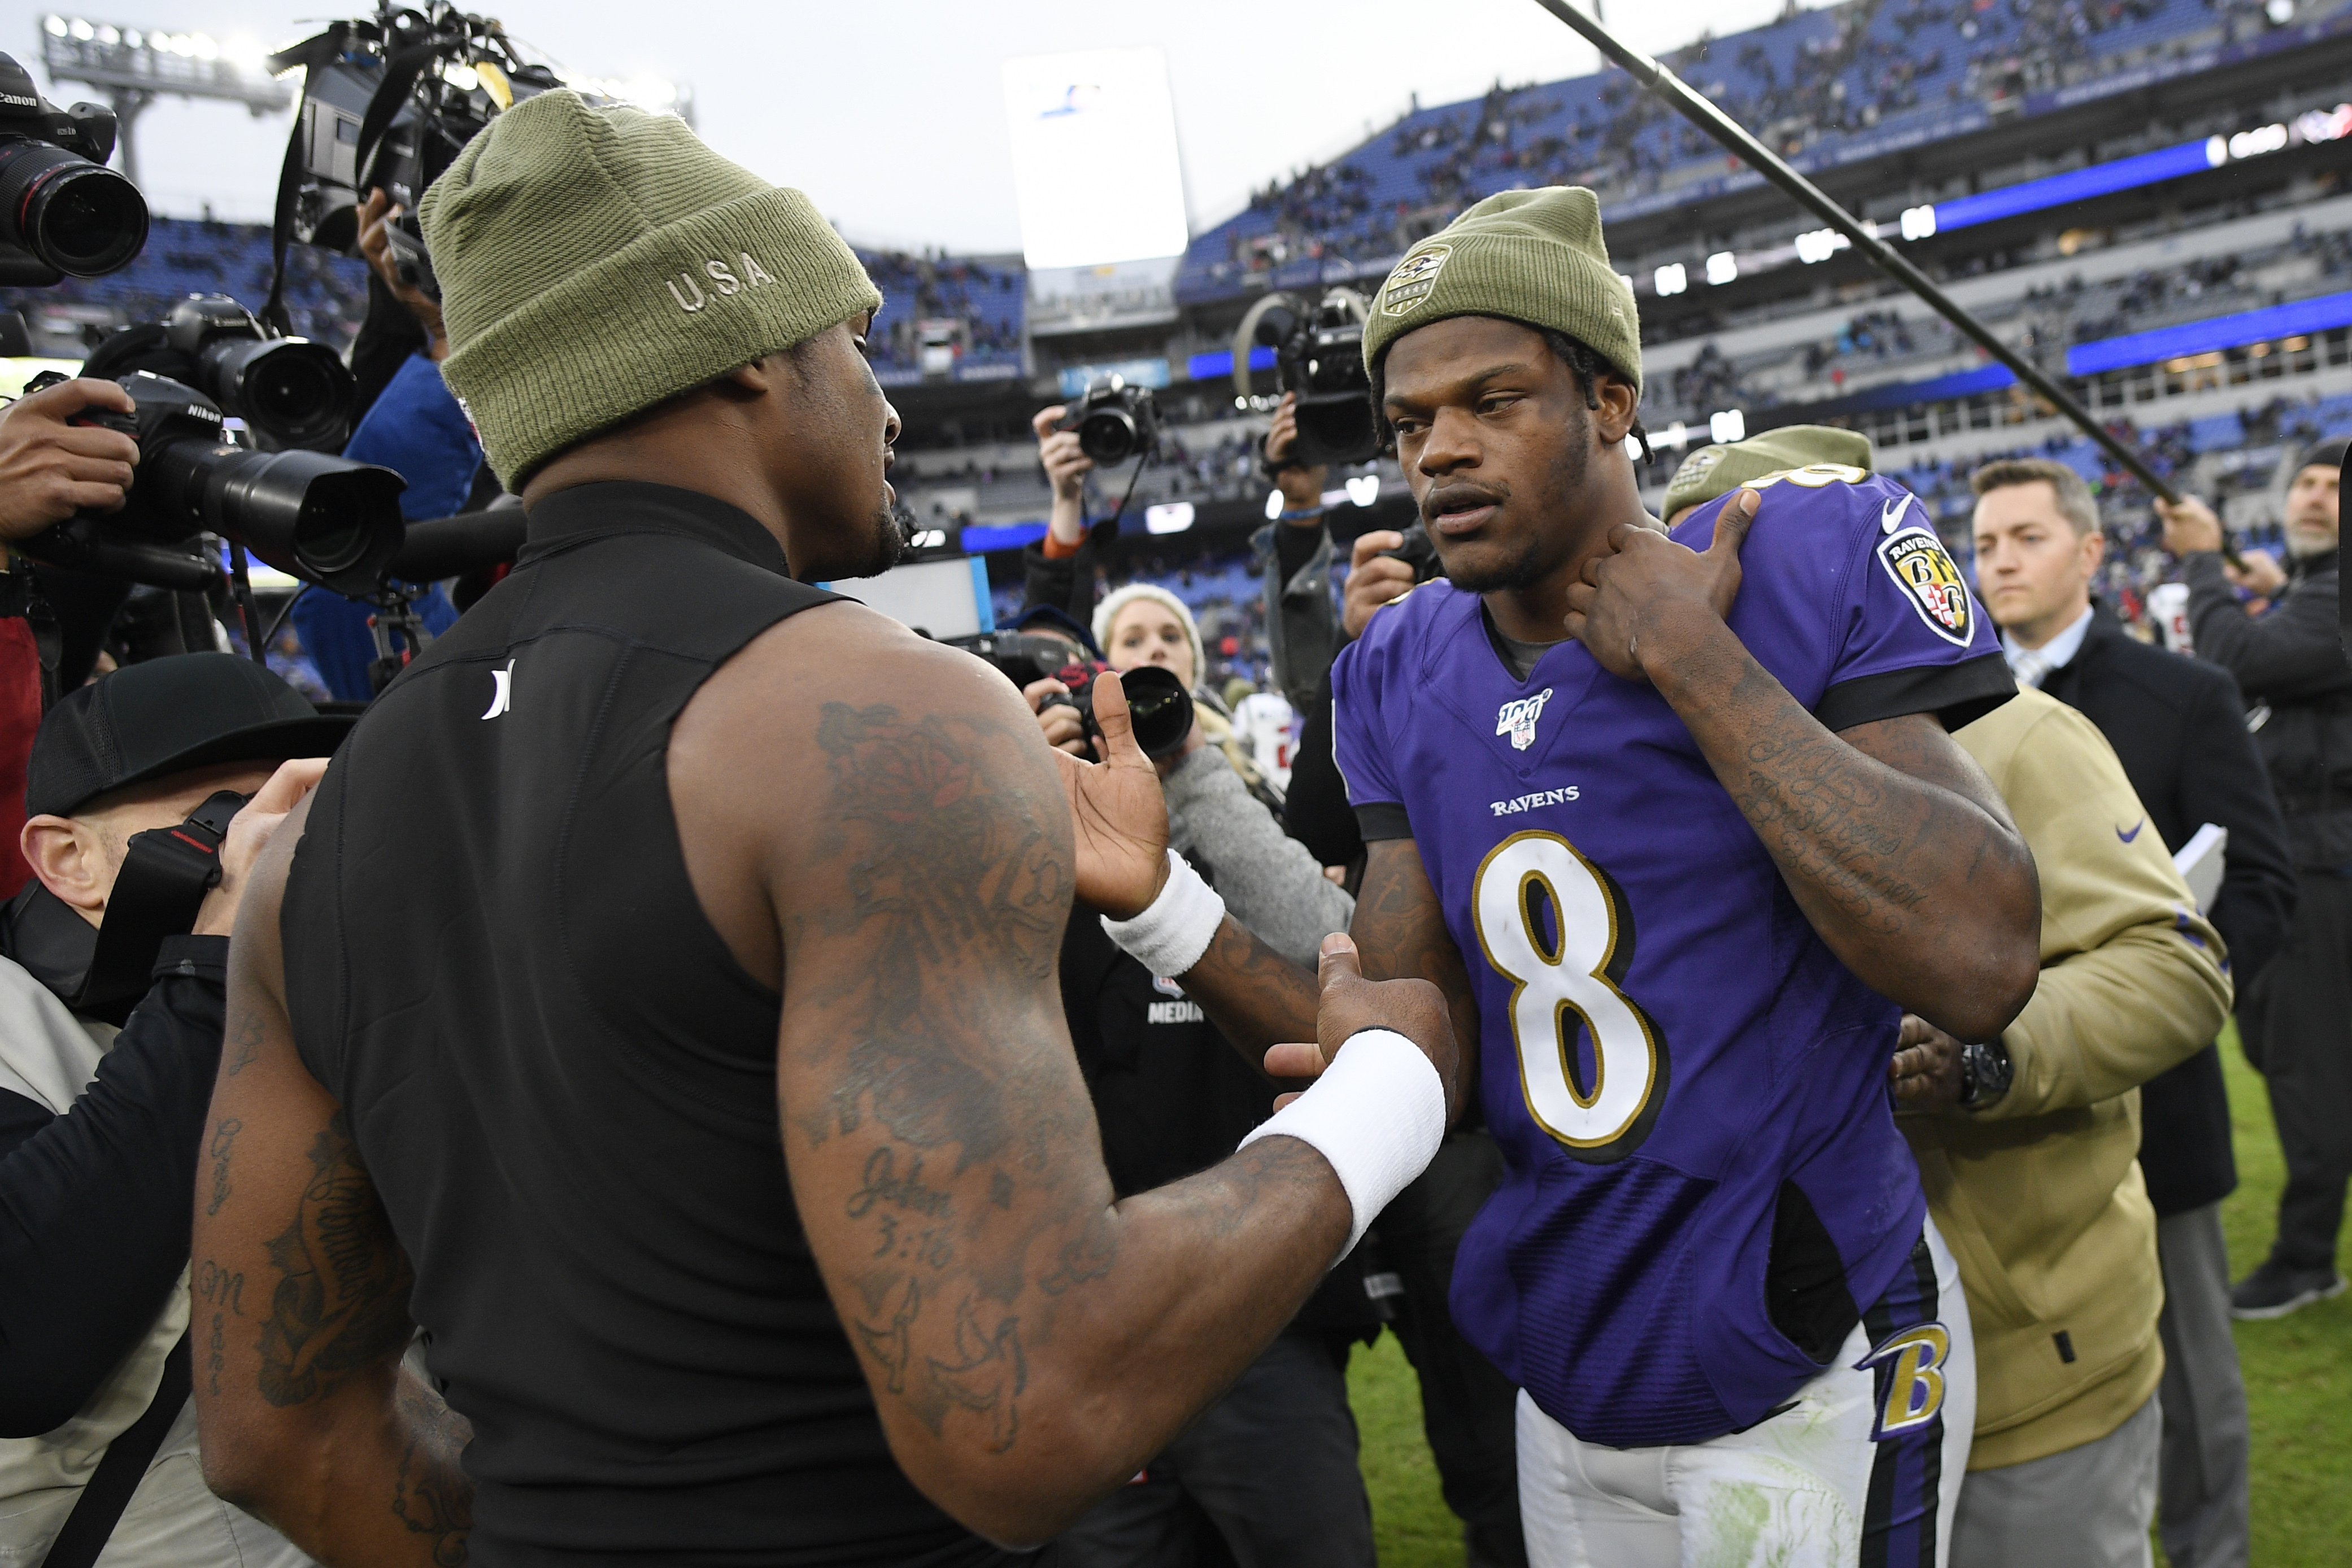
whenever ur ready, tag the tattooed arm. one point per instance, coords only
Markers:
(300, 1310)
(876, 825)
(1892, 840)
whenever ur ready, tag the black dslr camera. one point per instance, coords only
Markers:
(62, 212)
(1420, 552)
(1319, 354)
(323, 519)
(289, 392)
(1157, 702)
(1114, 421)
(388, 101)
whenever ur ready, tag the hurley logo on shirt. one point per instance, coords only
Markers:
(1517, 719)
(1923, 569)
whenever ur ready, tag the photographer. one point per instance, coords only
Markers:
(1272, 1465)
(100, 1129)
(1060, 568)
(49, 470)
(1294, 554)
(412, 426)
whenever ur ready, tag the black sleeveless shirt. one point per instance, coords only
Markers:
(565, 1087)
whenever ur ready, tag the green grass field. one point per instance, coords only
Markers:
(2298, 1383)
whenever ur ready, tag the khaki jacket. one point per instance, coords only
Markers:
(2039, 1194)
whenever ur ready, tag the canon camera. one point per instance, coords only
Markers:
(63, 214)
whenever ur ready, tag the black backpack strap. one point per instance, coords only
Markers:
(99, 1508)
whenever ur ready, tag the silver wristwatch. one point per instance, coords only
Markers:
(1986, 1073)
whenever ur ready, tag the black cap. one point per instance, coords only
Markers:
(166, 716)
(1061, 620)
(2324, 454)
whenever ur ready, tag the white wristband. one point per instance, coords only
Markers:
(1174, 929)
(1376, 1114)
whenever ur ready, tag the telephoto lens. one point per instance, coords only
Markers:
(1159, 708)
(324, 518)
(62, 211)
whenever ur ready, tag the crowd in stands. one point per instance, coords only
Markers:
(1802, 82)
(984, 301)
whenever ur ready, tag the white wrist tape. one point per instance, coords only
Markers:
(1376, 1114)
(1174, 929)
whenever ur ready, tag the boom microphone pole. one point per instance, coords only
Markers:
(1679, 96)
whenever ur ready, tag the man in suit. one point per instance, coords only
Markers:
(2179, 728)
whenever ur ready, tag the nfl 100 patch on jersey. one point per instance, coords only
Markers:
(1688, 1086)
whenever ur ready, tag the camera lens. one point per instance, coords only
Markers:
(322, 518)
(1107, 436)
(1159, 708)
(296, 393)
(78, 217)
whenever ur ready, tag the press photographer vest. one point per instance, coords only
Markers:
(564, 1084)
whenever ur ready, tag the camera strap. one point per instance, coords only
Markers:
(108, 1493)
(282, 228)
(400, 74)
(166, 872)
(401, 69)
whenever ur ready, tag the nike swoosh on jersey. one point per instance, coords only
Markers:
(1891, 513)
(2128, 838)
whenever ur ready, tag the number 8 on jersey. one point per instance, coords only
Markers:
(1574, 977)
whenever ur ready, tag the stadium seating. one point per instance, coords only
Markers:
(326, 292)
(985, 297)
(1806, 83)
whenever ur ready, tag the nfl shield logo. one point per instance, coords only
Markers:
(1517, 719)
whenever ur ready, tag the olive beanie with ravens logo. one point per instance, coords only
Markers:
(1532, 257)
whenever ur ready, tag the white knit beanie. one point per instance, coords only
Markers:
(1117, 599)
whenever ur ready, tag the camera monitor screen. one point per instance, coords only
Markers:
(942, 598)
(1095, 170)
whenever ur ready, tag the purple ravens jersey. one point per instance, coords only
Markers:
(1705, 1179)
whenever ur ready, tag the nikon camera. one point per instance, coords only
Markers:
(324, 518)
(62, 212)
(289, 392)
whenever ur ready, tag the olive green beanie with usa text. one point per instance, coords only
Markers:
(596, 262)
(1532, 257)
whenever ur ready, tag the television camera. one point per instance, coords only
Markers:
(1319, 354)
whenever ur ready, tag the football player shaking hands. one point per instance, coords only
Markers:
(1674, 821)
